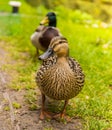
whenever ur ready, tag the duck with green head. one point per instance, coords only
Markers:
(59, 77)
(45, 32)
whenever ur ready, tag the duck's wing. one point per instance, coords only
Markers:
(35, 37)
(45, 66)
(76, 68)
(47, 35)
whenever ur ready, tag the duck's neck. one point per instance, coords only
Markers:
(62, 60)
(52, 24)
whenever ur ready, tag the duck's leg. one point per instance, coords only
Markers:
(36, 55)
(37, 52)
(43, 107)
(43, 113)
(62, 114)
(63, 110)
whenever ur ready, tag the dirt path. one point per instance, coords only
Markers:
(23, 118)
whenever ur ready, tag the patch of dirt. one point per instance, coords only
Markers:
(23, 118)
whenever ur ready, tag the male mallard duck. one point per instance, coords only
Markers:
(59, 77)
(43, 34)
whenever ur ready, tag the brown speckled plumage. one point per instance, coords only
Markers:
(59, 77)
(60, 81)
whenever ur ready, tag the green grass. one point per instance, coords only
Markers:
(92, 47)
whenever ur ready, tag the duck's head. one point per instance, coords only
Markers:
(58, 46)
(49, 19)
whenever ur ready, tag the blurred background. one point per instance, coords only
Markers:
(100, 9)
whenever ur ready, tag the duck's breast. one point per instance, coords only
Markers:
(59, 84)
(47, 35)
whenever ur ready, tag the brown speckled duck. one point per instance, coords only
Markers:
(59, 77)
(45, 32)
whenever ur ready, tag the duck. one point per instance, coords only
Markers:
(45, 32)
(59, 77)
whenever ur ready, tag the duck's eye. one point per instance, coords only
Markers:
(60, 42)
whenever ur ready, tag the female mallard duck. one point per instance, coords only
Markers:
(43, 34)
(60, 77)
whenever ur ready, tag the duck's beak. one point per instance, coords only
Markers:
(44, 21)
(46, 55)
